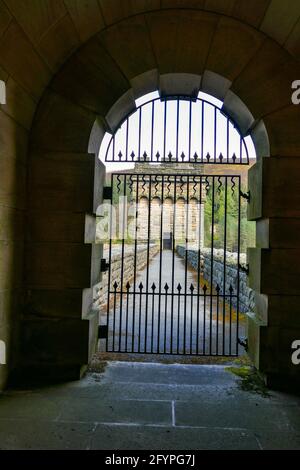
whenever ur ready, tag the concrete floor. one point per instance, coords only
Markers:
(150, 406)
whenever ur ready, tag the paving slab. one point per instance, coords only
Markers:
(39, 435)
(118, 411)
(151, 406)
(141, 438)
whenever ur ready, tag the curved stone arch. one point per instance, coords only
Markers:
(68, 125)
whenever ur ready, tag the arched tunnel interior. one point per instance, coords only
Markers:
(72, 71)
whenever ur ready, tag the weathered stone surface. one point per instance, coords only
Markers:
(274, 272)
(274, 185)
(195, 30)
(54, 341)
(19, 105)
(280, 19)
(13, 138)
(25, 67)
(233, 45)
(274, 69)
(54, 265)
(86, 16)
(118, 9)
(269, 233)
(62, 182)
(57, 113)
(179, 84)
(216, 273)
(139, 56)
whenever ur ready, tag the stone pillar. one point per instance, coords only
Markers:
(59, 326)
(275, 268)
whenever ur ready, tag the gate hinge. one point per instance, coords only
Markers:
(107, 192)
(104, 266)
(246, 196)
(103, 332)
(244, 343)
(244, 268)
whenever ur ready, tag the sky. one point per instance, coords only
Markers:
(171, 131)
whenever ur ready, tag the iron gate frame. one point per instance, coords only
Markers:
(207, 293)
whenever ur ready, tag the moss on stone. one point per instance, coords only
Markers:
(251, 380)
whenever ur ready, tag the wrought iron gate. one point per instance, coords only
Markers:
(170, 237)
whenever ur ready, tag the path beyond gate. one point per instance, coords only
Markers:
(168, 306)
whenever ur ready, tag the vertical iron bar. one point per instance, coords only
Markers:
(225, 261)
(140, 134)
(148, 261)
(202, 133)
(217, 328)
(152, 131)
(109, 269)
(230, 320)
(135, 257)
(114, 147)
(199, 264)
(190, 132)
(204, 319)
(127, 139)
(122, 262)
(127, 312)
(165, 130)
(228, 147)
(178, 323)
(212, 262)
(160, 258)
(140, 316)
(166, 316)
(247, 152)
(241, 149)
(186, 262)
(173, 261)
(215, 134)
(191, 321)
(238, 268)
(152, 320)
(114, 317)
(177, 130)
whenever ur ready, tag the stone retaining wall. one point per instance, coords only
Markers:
(246, 294)
(101, 289)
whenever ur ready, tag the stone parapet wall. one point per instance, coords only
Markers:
(246, 294)
(101, 290)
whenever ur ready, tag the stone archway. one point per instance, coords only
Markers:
(90, 92)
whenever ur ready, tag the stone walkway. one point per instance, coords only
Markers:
(172, 323)
(150, 406)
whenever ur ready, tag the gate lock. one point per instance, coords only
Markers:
(104, 266)
(244, 268)
(244, 343)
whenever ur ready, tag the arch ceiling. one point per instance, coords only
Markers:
(112, 42)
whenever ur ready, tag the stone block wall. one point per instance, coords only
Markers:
(246, 294)
(101, 289)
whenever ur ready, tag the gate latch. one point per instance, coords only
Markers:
(246, 196)
(244, 343)
(104, 266)
(244, 268)
(107, 192)
(103, 332)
